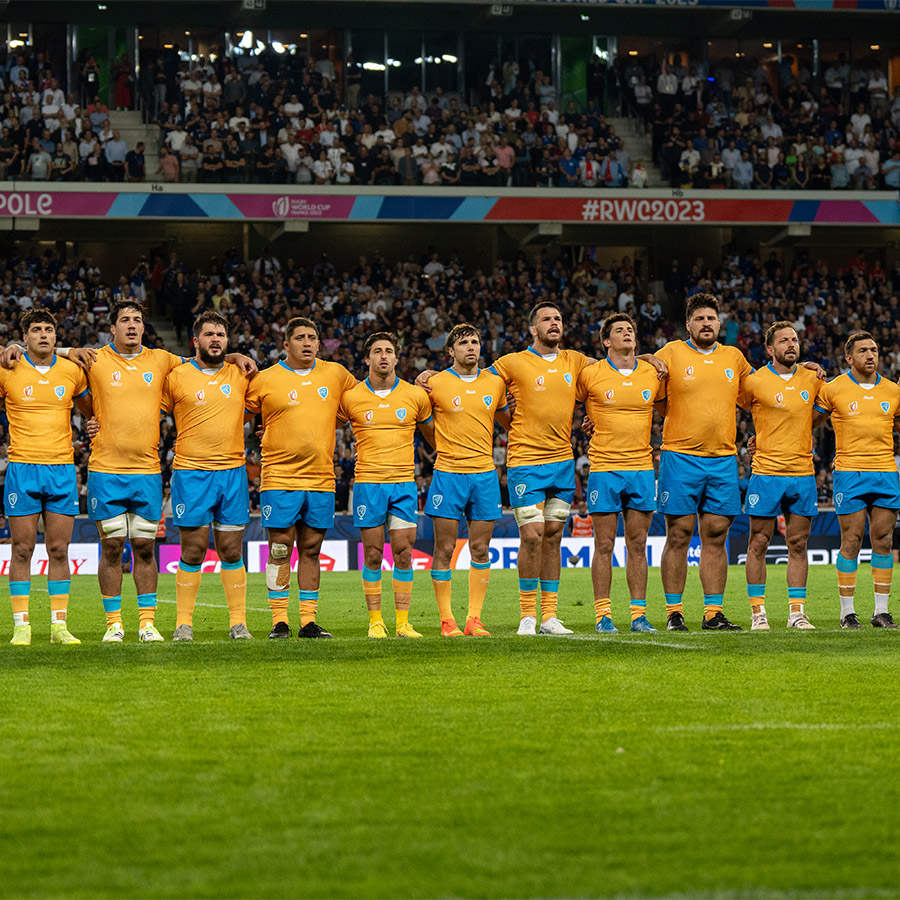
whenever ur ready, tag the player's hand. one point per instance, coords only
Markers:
(261, 431)
(587, 426)
(83, 356)
(422, 380)
(751, 445)
(10, 355)
(92, 427)
(662, 370)
(245, 363)
(511, 403)
(821, 374)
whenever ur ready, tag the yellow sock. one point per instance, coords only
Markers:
(528, 603)
(881, 582)
(308, 611)
(846, 590)
(59, 599)
(371, 585)
(279, 606)
(402, 617)
(479, 578)
(234, 581)
(602, 607)
(113, 616)
(187, 584)
(549, 604)
(374, 616)
(638, 610)
(440, 581)
(19, 592)
(146, 616)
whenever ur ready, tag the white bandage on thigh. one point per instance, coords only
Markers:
(528, 515)
(556, 510)
(218, 526)
(278, 568)
(116, 527)
(395, 523)
(141, 529)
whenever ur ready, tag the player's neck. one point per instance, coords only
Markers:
(464, 370)
(544, 349)
(304, 364)
(39, 358)
(381, 382)
(127, 351)
(863, 377)
(622, 360)
(781, 368)
(203, 364)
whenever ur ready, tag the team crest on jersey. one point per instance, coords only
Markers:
(266, 511)
(225, 389)
(436, 500)
(368, 415)
(13, 499)
(179, 510)
(838, 499)
(520, 489)
(753, 499)
(594, 495)
(117, 376)
(488, 401)
(200, 395)
(729, 374)
(804, 396)
(360, 511)
(60, 392)
(457, 400)
(568, 377)
(148, 377)
(885, 406)
(853, 406)
(322, 392)
(401, 414)
(646, 396)
(29, 390)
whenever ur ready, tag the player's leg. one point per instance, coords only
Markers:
(144, 513)
(852, 526)
(480, 532)
(194, 544)
(714, 570)
(605, 527)
(637, 526)
(372, 538)
(761, 530)
(231, 513)
(57, 535)
(107, 509)
(309, 546)
(445, 534)
(797, 528)
(673, 568)
(527, 502)
(881, 525)
(402, 538)
(557, 507)
(23, 534)
(278, 579)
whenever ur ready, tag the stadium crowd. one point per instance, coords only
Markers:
(423, 296)
(277, 119)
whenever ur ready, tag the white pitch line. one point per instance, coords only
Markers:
(779, 726)
(220, 606)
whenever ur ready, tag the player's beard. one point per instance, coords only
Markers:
(784, 361)
(210, 359)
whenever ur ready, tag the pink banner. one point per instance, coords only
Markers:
(292, 206)
(55, 203)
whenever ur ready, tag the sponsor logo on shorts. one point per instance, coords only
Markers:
(753, 499)
(360, 511)
(567, 378)
(664, 497)
(266, 511)
(729, 374)
(401, 413)
(594, 496)
(323, 392)
(225, 389)
(436, 500)
(179, 510)
(93, 502)
(886, 407)
(804, 396)
(60, 392)
(646, 396)
(148, 377)
(520, 489)
(368, 415)
(13, 499)
(838, 499)
(488, 401)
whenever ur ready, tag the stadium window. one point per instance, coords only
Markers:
(404, 60)
(441, 58)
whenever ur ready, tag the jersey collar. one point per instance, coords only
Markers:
(850, 376)
(612, 365)
(772, 369)
(715, 347)
(216, 369)
(539, 355)
(394, 387)
(115, 350)
(32, 363)
(456, 374)
(283, 363)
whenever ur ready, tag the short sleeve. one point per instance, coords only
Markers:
(253, 400)
(424, 412)
(824, 402)
(581, 386)
(579, 361)
(3, 376)
(744, 366)
(501, 368)
(348, 380)
(167, 402)
(174, 361)
(81, 383)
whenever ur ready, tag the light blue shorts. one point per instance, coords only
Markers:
(612, 492)
(32, 488)
(283, 509)
(373, 503)
(475, 495)
(200, 497)
(854, 491)
(774, 495)
(529, 485)
(698, 484)
(111, 495)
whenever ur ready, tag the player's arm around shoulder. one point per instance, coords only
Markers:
(823, 404)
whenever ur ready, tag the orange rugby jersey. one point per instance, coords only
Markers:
(39, 409)
(582, 526)
(782, 415)
(621, 408)
(209, 416)
(464, 419)
(126, 394)
(863, 421)
(544, 391)
(298, 414)
(702, 392)
(384, 428)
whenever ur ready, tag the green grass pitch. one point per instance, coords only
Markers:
(697, 765)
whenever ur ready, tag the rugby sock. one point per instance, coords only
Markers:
(549, 599)
(234, 581)
(278, 603)
(882, 572)
(371, 584)
(112, 606)
(602, 607)
(638, 609)
(187, 583)
(402, 583)
(402, 617)
(309, 602)
(19, 593)
(674, 604)
(846, 575)
(712, 604)
(797, 597)
(479, 577)
(757, 596)
(528, 596)
(146, 609)
(440, 581)
(59, 599)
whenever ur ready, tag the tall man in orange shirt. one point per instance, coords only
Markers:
(780, 396)
(466, 402)
(384, 412)
(40, 478)
(209, 482)
(864, 410)
(298, 399)
(619, 393)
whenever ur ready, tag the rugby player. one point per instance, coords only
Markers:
(619, 393)
(41, 477)
(384, 412)
(298, 400)
(780, 397)
(864, 409)
(209, 482)
(466, 401)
